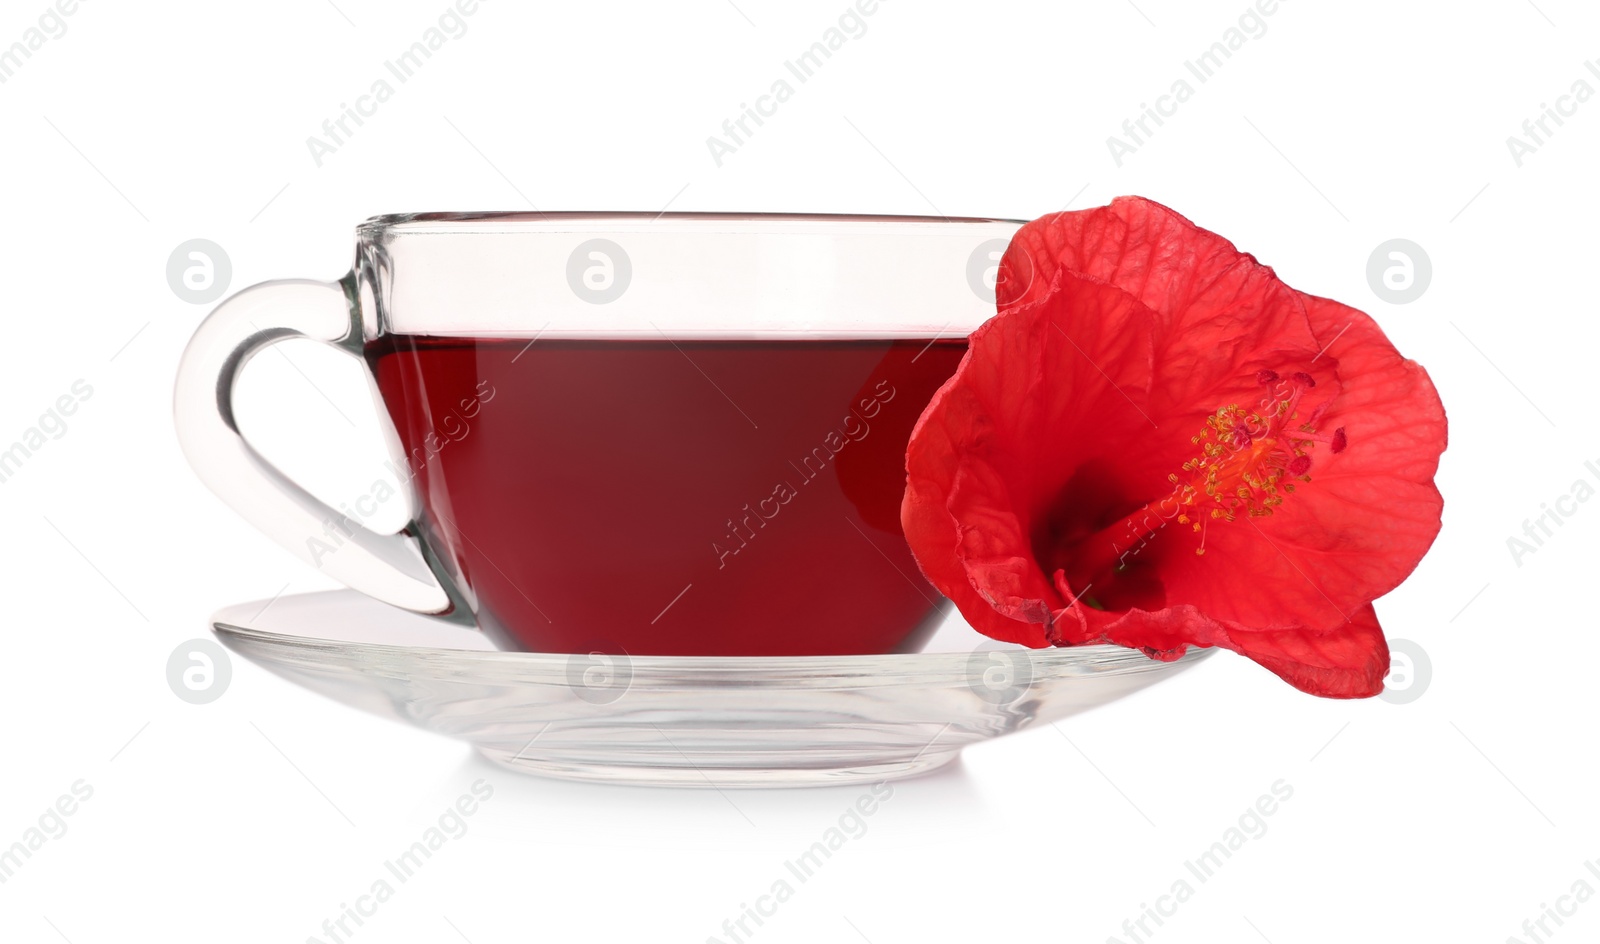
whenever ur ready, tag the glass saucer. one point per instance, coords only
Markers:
(677, 720)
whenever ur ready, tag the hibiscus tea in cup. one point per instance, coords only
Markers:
(653, 496)
(676, 434)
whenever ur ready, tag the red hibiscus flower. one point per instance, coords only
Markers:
(1158, 444)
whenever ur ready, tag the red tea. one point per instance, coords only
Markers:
(728, 497)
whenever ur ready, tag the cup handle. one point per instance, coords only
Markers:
(395, 568)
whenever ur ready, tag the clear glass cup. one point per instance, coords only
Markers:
(670, 434)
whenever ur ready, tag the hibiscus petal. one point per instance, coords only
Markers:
(1347, 659)
(1380, 486)
(993, 547)
(1371, 510)
(1217, 308)
(1023, 402)
(931, 462)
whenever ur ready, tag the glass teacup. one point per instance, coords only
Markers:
(680, 434)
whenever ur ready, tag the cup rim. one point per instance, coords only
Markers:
(686, 275)
(478, 220)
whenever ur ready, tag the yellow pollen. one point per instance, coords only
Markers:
(1248, 461)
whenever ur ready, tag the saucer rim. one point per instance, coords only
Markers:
(1096, 658)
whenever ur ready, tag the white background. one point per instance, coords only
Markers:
(1454, 817)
